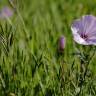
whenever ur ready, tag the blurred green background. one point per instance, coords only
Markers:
(29, 61)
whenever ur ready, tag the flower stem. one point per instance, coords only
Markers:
(83, 71)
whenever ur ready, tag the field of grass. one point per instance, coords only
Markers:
(29, 62)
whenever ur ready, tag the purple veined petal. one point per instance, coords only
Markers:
(91, 31)
(86, 21)
(78, 39)
(83, 24)
(91, 34)
(92, 25)
(91, 41)
(84, 30)
(77, 27)
(91, 38)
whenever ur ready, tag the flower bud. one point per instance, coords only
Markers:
(61, 44)
(6, 12)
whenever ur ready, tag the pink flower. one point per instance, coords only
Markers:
(84, 30)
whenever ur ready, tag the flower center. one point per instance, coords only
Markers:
(84, 36)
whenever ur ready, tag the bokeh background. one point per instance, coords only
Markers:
(29, 61)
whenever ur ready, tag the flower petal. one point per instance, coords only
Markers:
(77, 26)
(77, 37)
(91, 41)
(84, 30)
(86, 22)
(92, 25)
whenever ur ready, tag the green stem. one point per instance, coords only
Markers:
(83, 70)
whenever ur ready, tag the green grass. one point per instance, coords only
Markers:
(29, 63)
